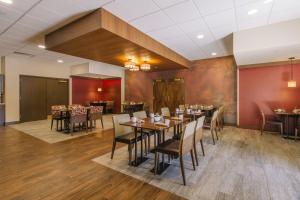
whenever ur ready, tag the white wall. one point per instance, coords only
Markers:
(20, 65)
(275, 42)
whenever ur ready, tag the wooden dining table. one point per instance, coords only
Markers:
(159, 128)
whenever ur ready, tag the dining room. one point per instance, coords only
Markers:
(150, 99)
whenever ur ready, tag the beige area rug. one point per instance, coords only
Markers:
(242, 165)
(41, 130)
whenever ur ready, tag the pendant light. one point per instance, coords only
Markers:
(292, 83)
(129, 64)
(145, 66)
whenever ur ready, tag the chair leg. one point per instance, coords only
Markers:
(281, 129)
(155, 162)
(202, 147)
(182, 169)
(262, 128)
(102, 122)
(213, 137)
(52, 123)
(193, 160)
(113, 149)
(196, 156)
(57, 125)
(146, 146)
(149, 141)
(296, 134)
(216, 131)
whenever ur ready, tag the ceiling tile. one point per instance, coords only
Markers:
(183, 12)
(131, 9)
(208, 37)
(207, 7)
(150, 22)
(246, 21)
(167, 3)
(92, 4)
(169, 32)
(284, 15)
(193, 26)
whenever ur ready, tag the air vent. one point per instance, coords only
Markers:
(23, 54)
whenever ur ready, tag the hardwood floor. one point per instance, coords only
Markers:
(32, 169)
(250, 166)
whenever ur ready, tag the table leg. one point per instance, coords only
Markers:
(138, 159)
(135, 147)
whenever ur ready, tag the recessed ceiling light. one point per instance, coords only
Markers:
(60, 61)
(7, 1)
(200, 36)
(213, 53)
(41, 46)
(252, 12)
(267, 1)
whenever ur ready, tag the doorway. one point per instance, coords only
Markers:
(168, 93)
(38, 94)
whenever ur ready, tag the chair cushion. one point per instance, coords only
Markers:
(128, 138)
(170, 146)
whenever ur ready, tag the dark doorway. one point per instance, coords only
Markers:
(38, 94)
(168, 93)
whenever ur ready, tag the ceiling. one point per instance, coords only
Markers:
(175, 23)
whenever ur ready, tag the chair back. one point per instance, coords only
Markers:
(77, 110)
(213, 123)
(120, 130)
(140, 114)
(187, 138)
(165, 112)
(96, 109)
(56, 110)
(199, 128)
(181, 107)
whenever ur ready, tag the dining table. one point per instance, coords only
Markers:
(159, 129)
(290, 122)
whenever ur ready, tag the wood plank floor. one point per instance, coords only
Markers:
(32, 169)
(268, 167)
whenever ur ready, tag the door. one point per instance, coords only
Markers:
(32, 98)
(57, 93)
(38, 94)
(168, 93)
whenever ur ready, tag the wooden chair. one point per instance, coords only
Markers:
(78, 114)
(271, 122)
(181, 107)
(165, 112)
(178, 148)
(198, 136)
(149, 133)
(57, 115)
(221, 118)
(95, 113)
(213, 126)
(123, 134)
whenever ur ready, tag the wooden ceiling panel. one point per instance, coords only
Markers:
(103, 37)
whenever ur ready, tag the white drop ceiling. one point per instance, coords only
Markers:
(175, 23)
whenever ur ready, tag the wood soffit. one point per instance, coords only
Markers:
(104, 37)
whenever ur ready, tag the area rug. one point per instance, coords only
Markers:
(234, 168)
(41, 130)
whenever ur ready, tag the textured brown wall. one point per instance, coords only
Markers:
(211, 81)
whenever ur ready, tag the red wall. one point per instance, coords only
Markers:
(84, 90)
(112, 92)
(266, 87)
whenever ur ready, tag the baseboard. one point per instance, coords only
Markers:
(11, 123)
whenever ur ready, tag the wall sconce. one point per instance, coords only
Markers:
(99, 89)
(292, 83)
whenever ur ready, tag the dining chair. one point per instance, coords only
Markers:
(78, 114)
(57, 115)
(181, 107)
(220, 118)
(123, 134)
(165, 112)
(95, 113)
(110, 106)
(178, 148)
(149, 133)
(213, 126)
(269, 121)
(198, 136)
